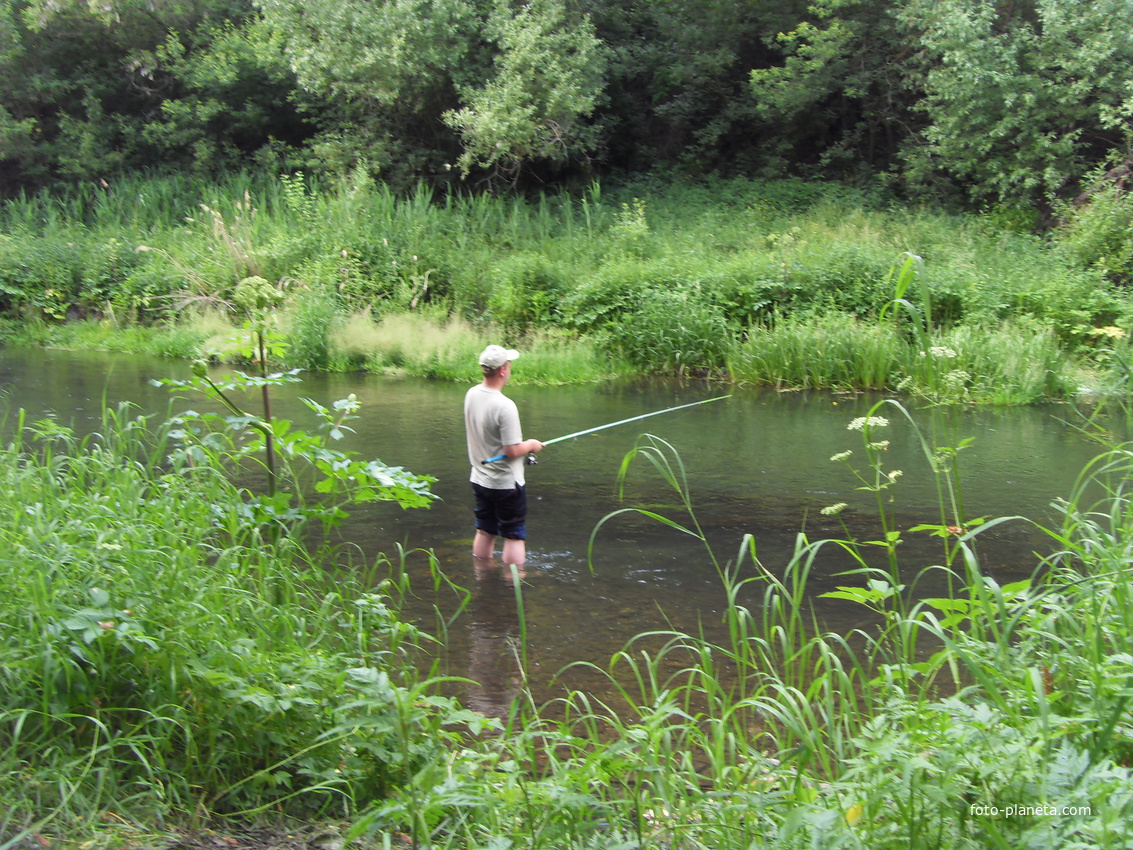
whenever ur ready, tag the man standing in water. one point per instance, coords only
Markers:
(491, 423)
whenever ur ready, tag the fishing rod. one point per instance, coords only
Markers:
(615, 424)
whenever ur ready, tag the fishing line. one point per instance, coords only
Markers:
(615, 424)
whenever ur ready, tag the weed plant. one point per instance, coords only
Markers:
(412, 345)
(162, 661)
(664, 278)
(994, 716)
(830, 350)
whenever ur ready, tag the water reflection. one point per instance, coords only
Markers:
(493, 634)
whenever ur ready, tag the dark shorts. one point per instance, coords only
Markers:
(502, 513)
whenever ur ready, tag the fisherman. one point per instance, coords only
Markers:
(491, 423)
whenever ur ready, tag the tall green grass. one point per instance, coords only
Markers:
(667, 278)
(162, 661)
(1009, 363)
(412, 345)
(919, 729)
(828, 350)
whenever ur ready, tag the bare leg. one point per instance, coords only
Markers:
(483, 545)
(515, 552)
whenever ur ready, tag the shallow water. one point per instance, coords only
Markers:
(756, 463)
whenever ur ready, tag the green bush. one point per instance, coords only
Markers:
(40, 275)
(675, 331)
(1099, 234)
(525, 293)
(818, 350)
(311, 319)
(1011, 363)
(159, 656)
(754, 289)
(848, 278)
(605, 297)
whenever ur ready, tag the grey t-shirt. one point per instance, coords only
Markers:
(491, 421)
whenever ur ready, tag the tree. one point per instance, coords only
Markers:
(89, 89)
(1022, 99)
(546, 78)
(385, 71)
(18, 126)
(842, 95)
(676, 91)
(228, 97)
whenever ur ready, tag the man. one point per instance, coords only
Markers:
(491, 423)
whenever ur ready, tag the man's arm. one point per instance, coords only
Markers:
(524, 448)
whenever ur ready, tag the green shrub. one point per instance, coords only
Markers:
(754, 289)
(673, 330)
(311, 318)
(817, 350)
(40, 275)
(848, 278)
(158, 656)
(1074, 304)
(525, 293)
(1099, 234)
(1012, 363)
(603, 298)
(755, 253)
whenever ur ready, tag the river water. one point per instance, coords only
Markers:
(757, 463)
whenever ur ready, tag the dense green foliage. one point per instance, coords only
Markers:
(784, 283)
(162, 663)
(161, 653)
(973, 101)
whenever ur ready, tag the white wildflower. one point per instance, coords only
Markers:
(840, 456)
(942, 351)
(957, 379)
(863, 422)
(895, 474)
(833, 510)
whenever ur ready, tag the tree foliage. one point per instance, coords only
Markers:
(546, 78)
(1021, 98)
(841, 91)
(980, 101)
(88, 90)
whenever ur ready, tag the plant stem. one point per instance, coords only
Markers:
(269, 436)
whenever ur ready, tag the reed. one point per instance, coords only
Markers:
(1009, 363)
(743, 263)
(789, 736)
(830, 350)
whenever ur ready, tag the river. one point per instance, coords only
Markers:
(757, 463)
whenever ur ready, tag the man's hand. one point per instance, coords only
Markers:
(525, 448)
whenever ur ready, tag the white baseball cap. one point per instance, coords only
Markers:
(495, 356)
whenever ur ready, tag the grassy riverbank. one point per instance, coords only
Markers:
(165, 666)
(786, 283)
